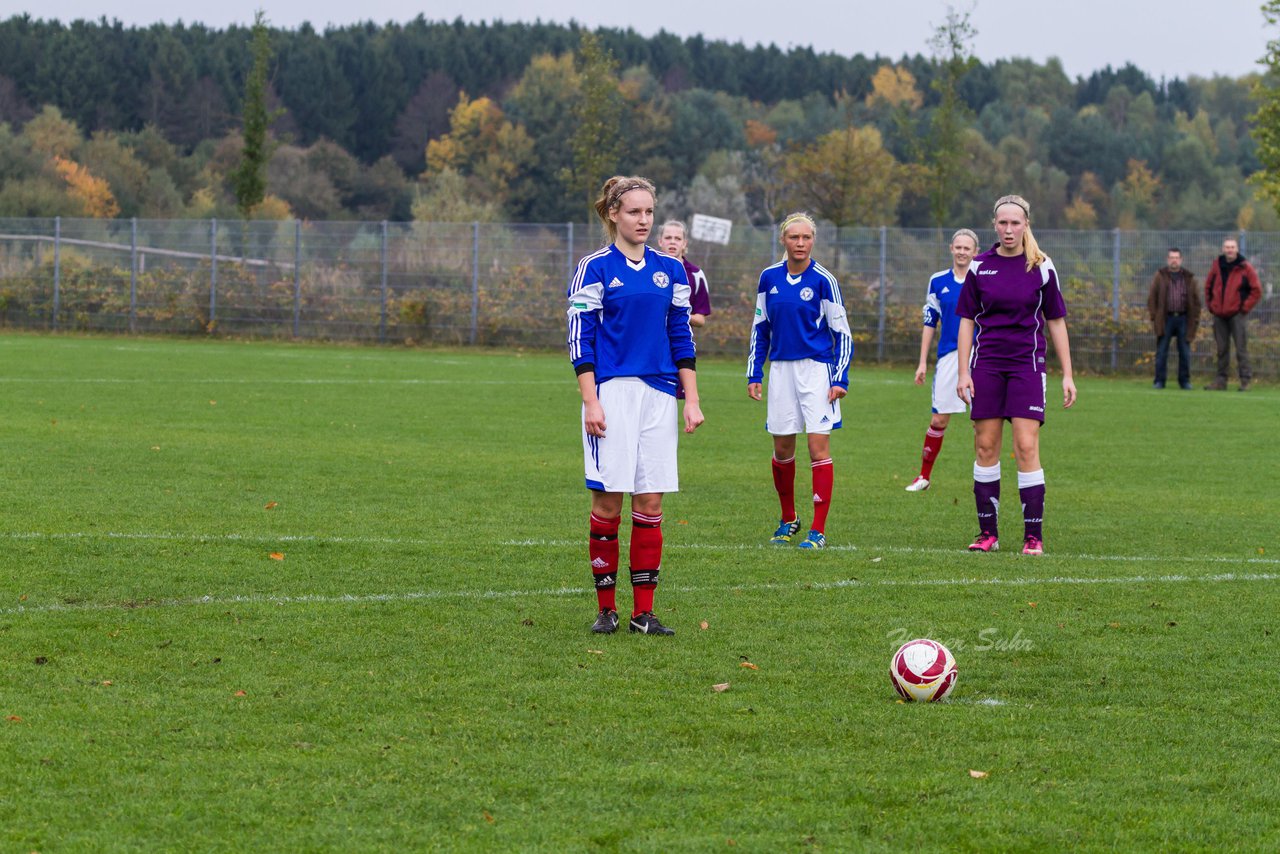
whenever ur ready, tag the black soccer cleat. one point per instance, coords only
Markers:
(647, 624)
(606, 622)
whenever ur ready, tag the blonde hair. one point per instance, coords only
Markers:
(1029, 246)
(674, 223)
(791, 219)
(966, 232)
(611, 199)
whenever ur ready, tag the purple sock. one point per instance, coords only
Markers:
(986, 494)
(1031, 491)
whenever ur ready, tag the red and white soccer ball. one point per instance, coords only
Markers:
(923, 670)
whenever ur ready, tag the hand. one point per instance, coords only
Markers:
(964, 388)
(593, 419)
(1068, 392)
(692, 416)
(920, 372)
(753, 390)
(836, 393)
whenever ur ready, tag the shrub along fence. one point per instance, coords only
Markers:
(504, 284)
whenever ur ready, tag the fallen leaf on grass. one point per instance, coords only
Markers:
(155, 447)
(721, 688)
(271, 505)
(213, 403)
(240, 694)
(15, 718)
(596, 651)
(876, 559)
(704, 625)
(749, 665)
(488, 817)
(1031, 604)
(977, 775)
(106, 682)
(276, 555)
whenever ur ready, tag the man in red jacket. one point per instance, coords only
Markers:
(1231, 291)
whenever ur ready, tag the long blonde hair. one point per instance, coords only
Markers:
(611, 199)
(1030, 247)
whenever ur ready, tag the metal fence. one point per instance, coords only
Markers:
(504, 284)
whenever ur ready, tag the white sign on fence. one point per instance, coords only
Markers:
(712, 229)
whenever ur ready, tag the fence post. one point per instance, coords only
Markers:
(1244, 242)
(1115, 298)
(382, 322)
(475, 279)
(213, 272)
(568, 226)
(297, 276)
(133, 274)
(884, 240)
(57, 268)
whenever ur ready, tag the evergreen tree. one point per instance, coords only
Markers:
(249, 179)
(947, 175)
(597, 143)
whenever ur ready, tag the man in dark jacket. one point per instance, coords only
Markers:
(1231, 291)
(1174, 304)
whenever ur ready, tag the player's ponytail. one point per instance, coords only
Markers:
(611, 198)
(1030, 247)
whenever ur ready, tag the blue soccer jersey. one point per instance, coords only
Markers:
(940, 309)
(630, 319)
(800, 317)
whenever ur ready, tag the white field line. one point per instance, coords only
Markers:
(541, 593)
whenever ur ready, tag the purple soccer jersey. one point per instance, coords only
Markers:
(1009, 306)
(699, 296)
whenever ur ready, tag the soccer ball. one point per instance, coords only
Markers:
(923, 670)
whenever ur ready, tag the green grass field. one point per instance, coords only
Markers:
(274, 597)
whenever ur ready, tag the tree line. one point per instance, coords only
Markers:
(455, 121)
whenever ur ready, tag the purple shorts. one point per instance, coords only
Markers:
(1007, 394)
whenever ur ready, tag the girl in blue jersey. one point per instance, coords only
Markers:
(940, 315)
(631, 346)
(801, 328)
(1011, 300)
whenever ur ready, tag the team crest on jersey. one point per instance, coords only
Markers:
(661, 279)
(806, 294)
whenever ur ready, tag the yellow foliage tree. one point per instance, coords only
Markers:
(483, 146)
(894, 87)
(849, 178)
(93, 194)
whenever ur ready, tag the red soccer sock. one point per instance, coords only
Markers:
(602, 547)
(823, 481)
(646, 559)
(932, 445)
(784, 481)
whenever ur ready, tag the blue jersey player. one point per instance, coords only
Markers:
(801, 328)
(632, 349)
(940, 316)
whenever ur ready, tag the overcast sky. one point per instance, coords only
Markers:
(1173, 38)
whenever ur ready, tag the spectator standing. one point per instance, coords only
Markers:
(1231, 291)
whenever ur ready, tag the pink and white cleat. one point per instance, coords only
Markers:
(1033, 546)
(985, 543)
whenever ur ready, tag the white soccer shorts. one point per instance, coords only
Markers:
(797, 399)
(946, 375)
(638, 451)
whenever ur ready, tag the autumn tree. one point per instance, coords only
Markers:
(483, 146)
(849, 178)
(93, 194)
